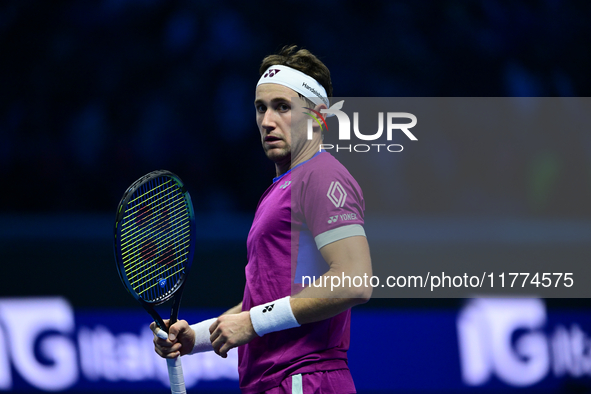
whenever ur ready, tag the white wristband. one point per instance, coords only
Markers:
(273, 316)
(202, 342)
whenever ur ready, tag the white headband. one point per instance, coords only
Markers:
(298, 81)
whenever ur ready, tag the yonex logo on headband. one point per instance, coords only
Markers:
(270, 73)
(296, 80)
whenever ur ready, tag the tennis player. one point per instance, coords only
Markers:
(292, 337)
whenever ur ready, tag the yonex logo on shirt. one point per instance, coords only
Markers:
(268, 308)
(286, 184)
(345, 216)
(349, 216)
(335, 187)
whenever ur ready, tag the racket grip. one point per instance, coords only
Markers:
(175, 369)
(175, 374)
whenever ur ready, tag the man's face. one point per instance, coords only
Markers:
(283, 131)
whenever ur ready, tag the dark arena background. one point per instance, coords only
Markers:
(95, 94)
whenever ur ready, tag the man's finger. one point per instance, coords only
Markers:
(173, 355)
(214, 326)
(217, 344)
(161, 334)
(155, 329)
(164, 351)
(215, 335)
(174, 331)
(223, 352)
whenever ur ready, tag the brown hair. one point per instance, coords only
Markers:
(301, 60)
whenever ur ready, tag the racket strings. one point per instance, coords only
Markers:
(155, 233)
(133, 253)
(163, 221)
(132, 236)
(149, 250)
(148, 288)
(149, 206)
(150, 279)
(143, 216)
(143, 195)
(138, 269)
(139, 272)
(155, 265)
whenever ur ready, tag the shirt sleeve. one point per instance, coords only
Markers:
(332, 205)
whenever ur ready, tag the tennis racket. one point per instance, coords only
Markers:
(154, 245)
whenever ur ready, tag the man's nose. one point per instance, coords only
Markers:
(268, 121)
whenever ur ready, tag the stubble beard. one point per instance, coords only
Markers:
(279, 155)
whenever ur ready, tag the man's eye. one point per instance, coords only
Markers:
(261, 108)
(283, 107)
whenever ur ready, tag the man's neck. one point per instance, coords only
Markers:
(306, 154)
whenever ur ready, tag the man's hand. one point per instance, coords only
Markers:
(230, 331)
(181, 339)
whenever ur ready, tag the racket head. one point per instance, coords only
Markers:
(154, 237)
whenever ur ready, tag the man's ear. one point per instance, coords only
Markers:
(322, 116)
(318, 107)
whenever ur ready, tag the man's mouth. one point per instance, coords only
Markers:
(271, 138)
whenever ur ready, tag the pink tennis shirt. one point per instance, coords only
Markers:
(316, 203)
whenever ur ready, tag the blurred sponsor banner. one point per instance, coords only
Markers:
(46, 345)
(488, 344)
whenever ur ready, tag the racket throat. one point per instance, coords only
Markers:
(156, 317)
(176, 304)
